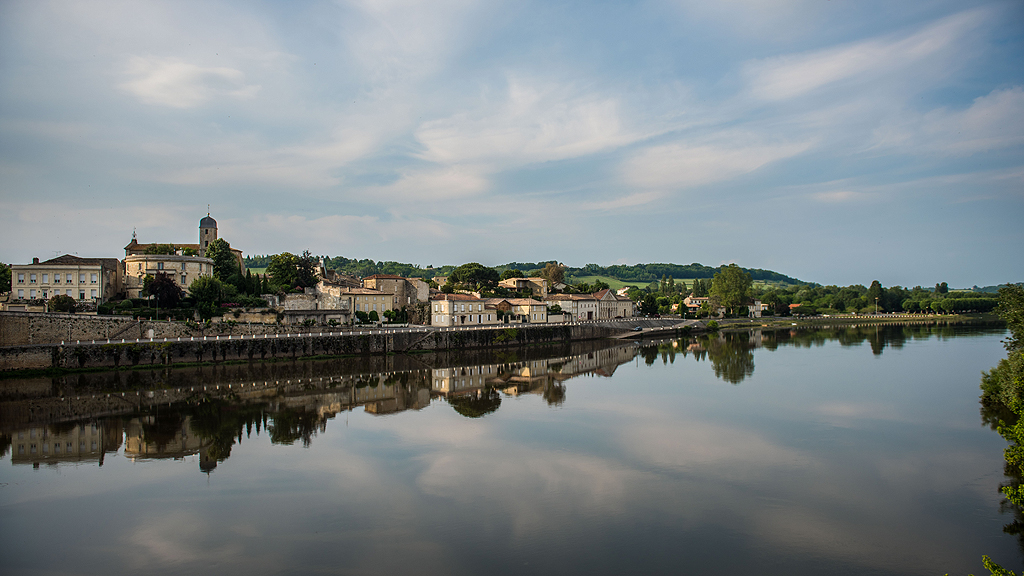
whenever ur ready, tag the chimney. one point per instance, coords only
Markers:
(35, 260)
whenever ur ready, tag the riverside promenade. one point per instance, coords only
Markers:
(125, 352)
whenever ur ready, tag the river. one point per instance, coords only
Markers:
(825, 451)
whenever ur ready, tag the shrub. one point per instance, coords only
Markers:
(713, 325)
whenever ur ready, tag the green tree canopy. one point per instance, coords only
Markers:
(160, 249)
(208, 293)
(474, 274)
(732, 286)
(283, 270)
(62, 303)
(225, 267)
(5, 277)
(554, 273)
(508, 273)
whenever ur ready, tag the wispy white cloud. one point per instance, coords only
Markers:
(177, 84)
(785, 77)
(684, 165)
(994, 121)
(532, 121)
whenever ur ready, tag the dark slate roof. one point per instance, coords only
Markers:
(207, 222)
(75, 260)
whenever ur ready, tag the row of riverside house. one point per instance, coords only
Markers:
(336, 299)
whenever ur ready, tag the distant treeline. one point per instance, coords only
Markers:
(639, 273)
(645, 273)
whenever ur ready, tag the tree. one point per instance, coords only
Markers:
(649, 305)
(554, 273)
(208, 293)
(165, 290)
(942, 288)
(306, 270)
(473, 275)
(161, 249)
(62, 303)
(511, 273)
(283, 270)
(732, 286)
(225, 267)
(5, 278)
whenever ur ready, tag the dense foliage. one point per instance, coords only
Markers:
(1002, 400)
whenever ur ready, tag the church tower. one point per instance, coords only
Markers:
(207, 233)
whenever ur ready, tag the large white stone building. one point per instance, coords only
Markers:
(92, 280)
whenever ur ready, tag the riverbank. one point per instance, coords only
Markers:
(82, 356)
(859, 320)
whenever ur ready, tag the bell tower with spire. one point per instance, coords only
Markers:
(207, 232)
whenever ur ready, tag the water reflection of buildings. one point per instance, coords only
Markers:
(167, 437)
(535, 376)
(78, 442)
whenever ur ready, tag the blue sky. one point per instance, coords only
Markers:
(835, 141)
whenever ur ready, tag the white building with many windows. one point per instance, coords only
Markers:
(461, 310)
(93, 280)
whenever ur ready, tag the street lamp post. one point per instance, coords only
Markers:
(876, 305)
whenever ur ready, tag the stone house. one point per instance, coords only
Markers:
(461, 310)
(577, 307)
(91, 280)
(537, 286)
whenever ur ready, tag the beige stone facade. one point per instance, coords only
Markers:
(578, 307)
(611, 305)
(93, 280)
(537, 286)
(522, 310)
(182, 269)
(406, 291)
(461, 310)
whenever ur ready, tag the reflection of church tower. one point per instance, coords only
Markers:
(207, 233)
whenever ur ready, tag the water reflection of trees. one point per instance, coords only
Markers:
(476, 405)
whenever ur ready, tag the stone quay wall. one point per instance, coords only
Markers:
(198, 349)
(26, 328)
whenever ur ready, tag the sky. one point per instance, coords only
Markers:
(835, 141)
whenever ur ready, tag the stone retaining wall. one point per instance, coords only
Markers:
(191, 349)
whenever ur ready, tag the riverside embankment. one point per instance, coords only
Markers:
(78, 355)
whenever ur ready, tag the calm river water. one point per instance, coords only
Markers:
(846, 451)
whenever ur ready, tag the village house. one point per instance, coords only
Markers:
(461, 310)
(537, 286)
(522, 310)
(578, 307)
(406, 291)
(611, 305)
(87, 280)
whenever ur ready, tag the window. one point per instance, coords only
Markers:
(93, 294)
(182, 266)
(69, 279)
(31, 278)
(21, 277)
(21, 294)
(92, 278)
(56, 278)
(46, 278)
(182, 279)
(44, 294)
(81, 294)
(81, 278)
(32, 293)
(159, 265)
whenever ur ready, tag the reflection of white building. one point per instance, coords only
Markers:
(182, 443)
(79, 442)
(463, 379)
